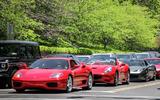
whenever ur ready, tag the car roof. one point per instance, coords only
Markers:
(83, 55)
(18, 42)
(103, 54)
(152, 58)
(61, 58)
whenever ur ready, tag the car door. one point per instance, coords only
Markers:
(77, 73)
(151, 69)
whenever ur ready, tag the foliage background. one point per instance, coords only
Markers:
(95, 25)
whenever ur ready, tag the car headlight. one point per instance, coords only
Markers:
(57, 75)
(140, 70)
(18, 75)
(109, 69)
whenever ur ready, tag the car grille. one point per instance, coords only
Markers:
(134, 76)
(96, 77)
(3, 66)
(52, 84)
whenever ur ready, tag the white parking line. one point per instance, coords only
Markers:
(125, 88)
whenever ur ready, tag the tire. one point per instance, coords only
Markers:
(20, 90)
(2, 83)
(147, 78)
(10, 79)
(154, 76)
(116, 79)
(128, 79)
(69, 86)
(89, 83)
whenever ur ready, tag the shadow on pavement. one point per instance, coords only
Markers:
(40, 91)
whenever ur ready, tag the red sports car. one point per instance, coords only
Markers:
(53, 74)
(109, 70)
(156, 63)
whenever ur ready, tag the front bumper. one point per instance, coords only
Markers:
(47, 85)
(104, 78)
(137, 76)
(158, 73)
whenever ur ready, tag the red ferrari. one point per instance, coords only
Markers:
(53, 74)
(110, 71)
(156, 63)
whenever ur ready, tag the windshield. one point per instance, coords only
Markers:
(8, 50)
(135, 63)
(123, 57)
(83, 59)
(101, 60)
(142, 56)
(50, 64)
(153, 61)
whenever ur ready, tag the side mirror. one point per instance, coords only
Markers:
(22, 65)
(75, 66)
(122, 64)
(83, 65)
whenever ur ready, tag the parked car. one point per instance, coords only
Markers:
(153, 54)
(103, 55)
(141, 70)
(142, 55)
(53, 74)
(125, 56)
(110, 71)
(156, 63)
(15, 55)
(65, 56)
(83, 58)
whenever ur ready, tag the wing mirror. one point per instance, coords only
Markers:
(122, 64)
(75, 66)
(22, 65)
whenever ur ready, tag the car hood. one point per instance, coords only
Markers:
(99, 69)
(136, 69)
(39, 74)
(157, 67)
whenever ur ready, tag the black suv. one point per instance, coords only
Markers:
(15, 55)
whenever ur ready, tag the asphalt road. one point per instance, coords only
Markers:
(134, 91)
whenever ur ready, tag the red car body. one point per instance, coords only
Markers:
(42, 78)
(157, 65)
(120, 69)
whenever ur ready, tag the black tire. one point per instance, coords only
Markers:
(147, 77)
(116, 79)
(69, 85)
(20, 90)
(10, 79)
(89, 83)
(128, 79)
(154, 76)
(2, 83)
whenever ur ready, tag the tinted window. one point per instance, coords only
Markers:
(50, 64)
(99, 60)
(153, 61)
(142, 56)
(124, 56)
(83, 59)
(136, 63)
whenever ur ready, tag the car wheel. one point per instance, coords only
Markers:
(2, 83)
(154, 76)
(20, 90)
(128, 78)
(147, 77)
(89, 83)
(69, 84)
(10, 79)
(116, 79)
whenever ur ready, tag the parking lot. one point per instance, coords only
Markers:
(135, 91)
